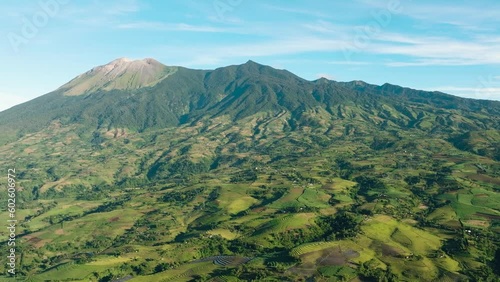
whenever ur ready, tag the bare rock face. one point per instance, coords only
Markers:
(120, 74)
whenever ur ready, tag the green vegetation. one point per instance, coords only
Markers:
(248, 173)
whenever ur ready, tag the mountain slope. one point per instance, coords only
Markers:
(248, 172)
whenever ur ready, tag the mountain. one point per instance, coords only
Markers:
(120, 74)
(145, 94)
(245, 172)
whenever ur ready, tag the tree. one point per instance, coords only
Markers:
(200, 278)
(455, 246)
(481, 274)
(162, 267)
(107, 278)
(412, 180)
(342, 225)
(496, 262)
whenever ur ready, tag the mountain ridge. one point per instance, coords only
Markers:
(183, 95)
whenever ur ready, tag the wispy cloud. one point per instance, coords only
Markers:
(411, 51)
(414, 49)
(160, 26)
(486, 93)
(470, 16)
(288, 9)
(444, 51)
(275, 47)
(100, 13)
(433, 62)
(123, 7)
(351, 63)
(462, 36)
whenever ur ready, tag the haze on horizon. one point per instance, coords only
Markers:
(451, 48)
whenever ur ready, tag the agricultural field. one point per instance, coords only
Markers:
(331, 182)
(271, 214)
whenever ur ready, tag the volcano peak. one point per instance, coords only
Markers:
(121, 74)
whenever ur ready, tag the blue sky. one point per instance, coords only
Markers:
(450, 46)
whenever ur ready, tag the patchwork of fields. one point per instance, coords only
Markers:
(286, 210)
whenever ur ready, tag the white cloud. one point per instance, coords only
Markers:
(440, 51)
(488, 93)
(100, 13)
(416, 51)
(123, 7)
(435, 62)
(174, 27)
(324, 36)
(471, 17)
(351, 63)
(277, 47)
(305, 12)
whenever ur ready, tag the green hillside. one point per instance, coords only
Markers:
(249, 173)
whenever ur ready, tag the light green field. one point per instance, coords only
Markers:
(416, 240)
(289, 199)
(240, 204)
(182, 273)
(108, 224)
(285, 223)
(338, 185)
(314, 198)
(71, 272)
(225, 233)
